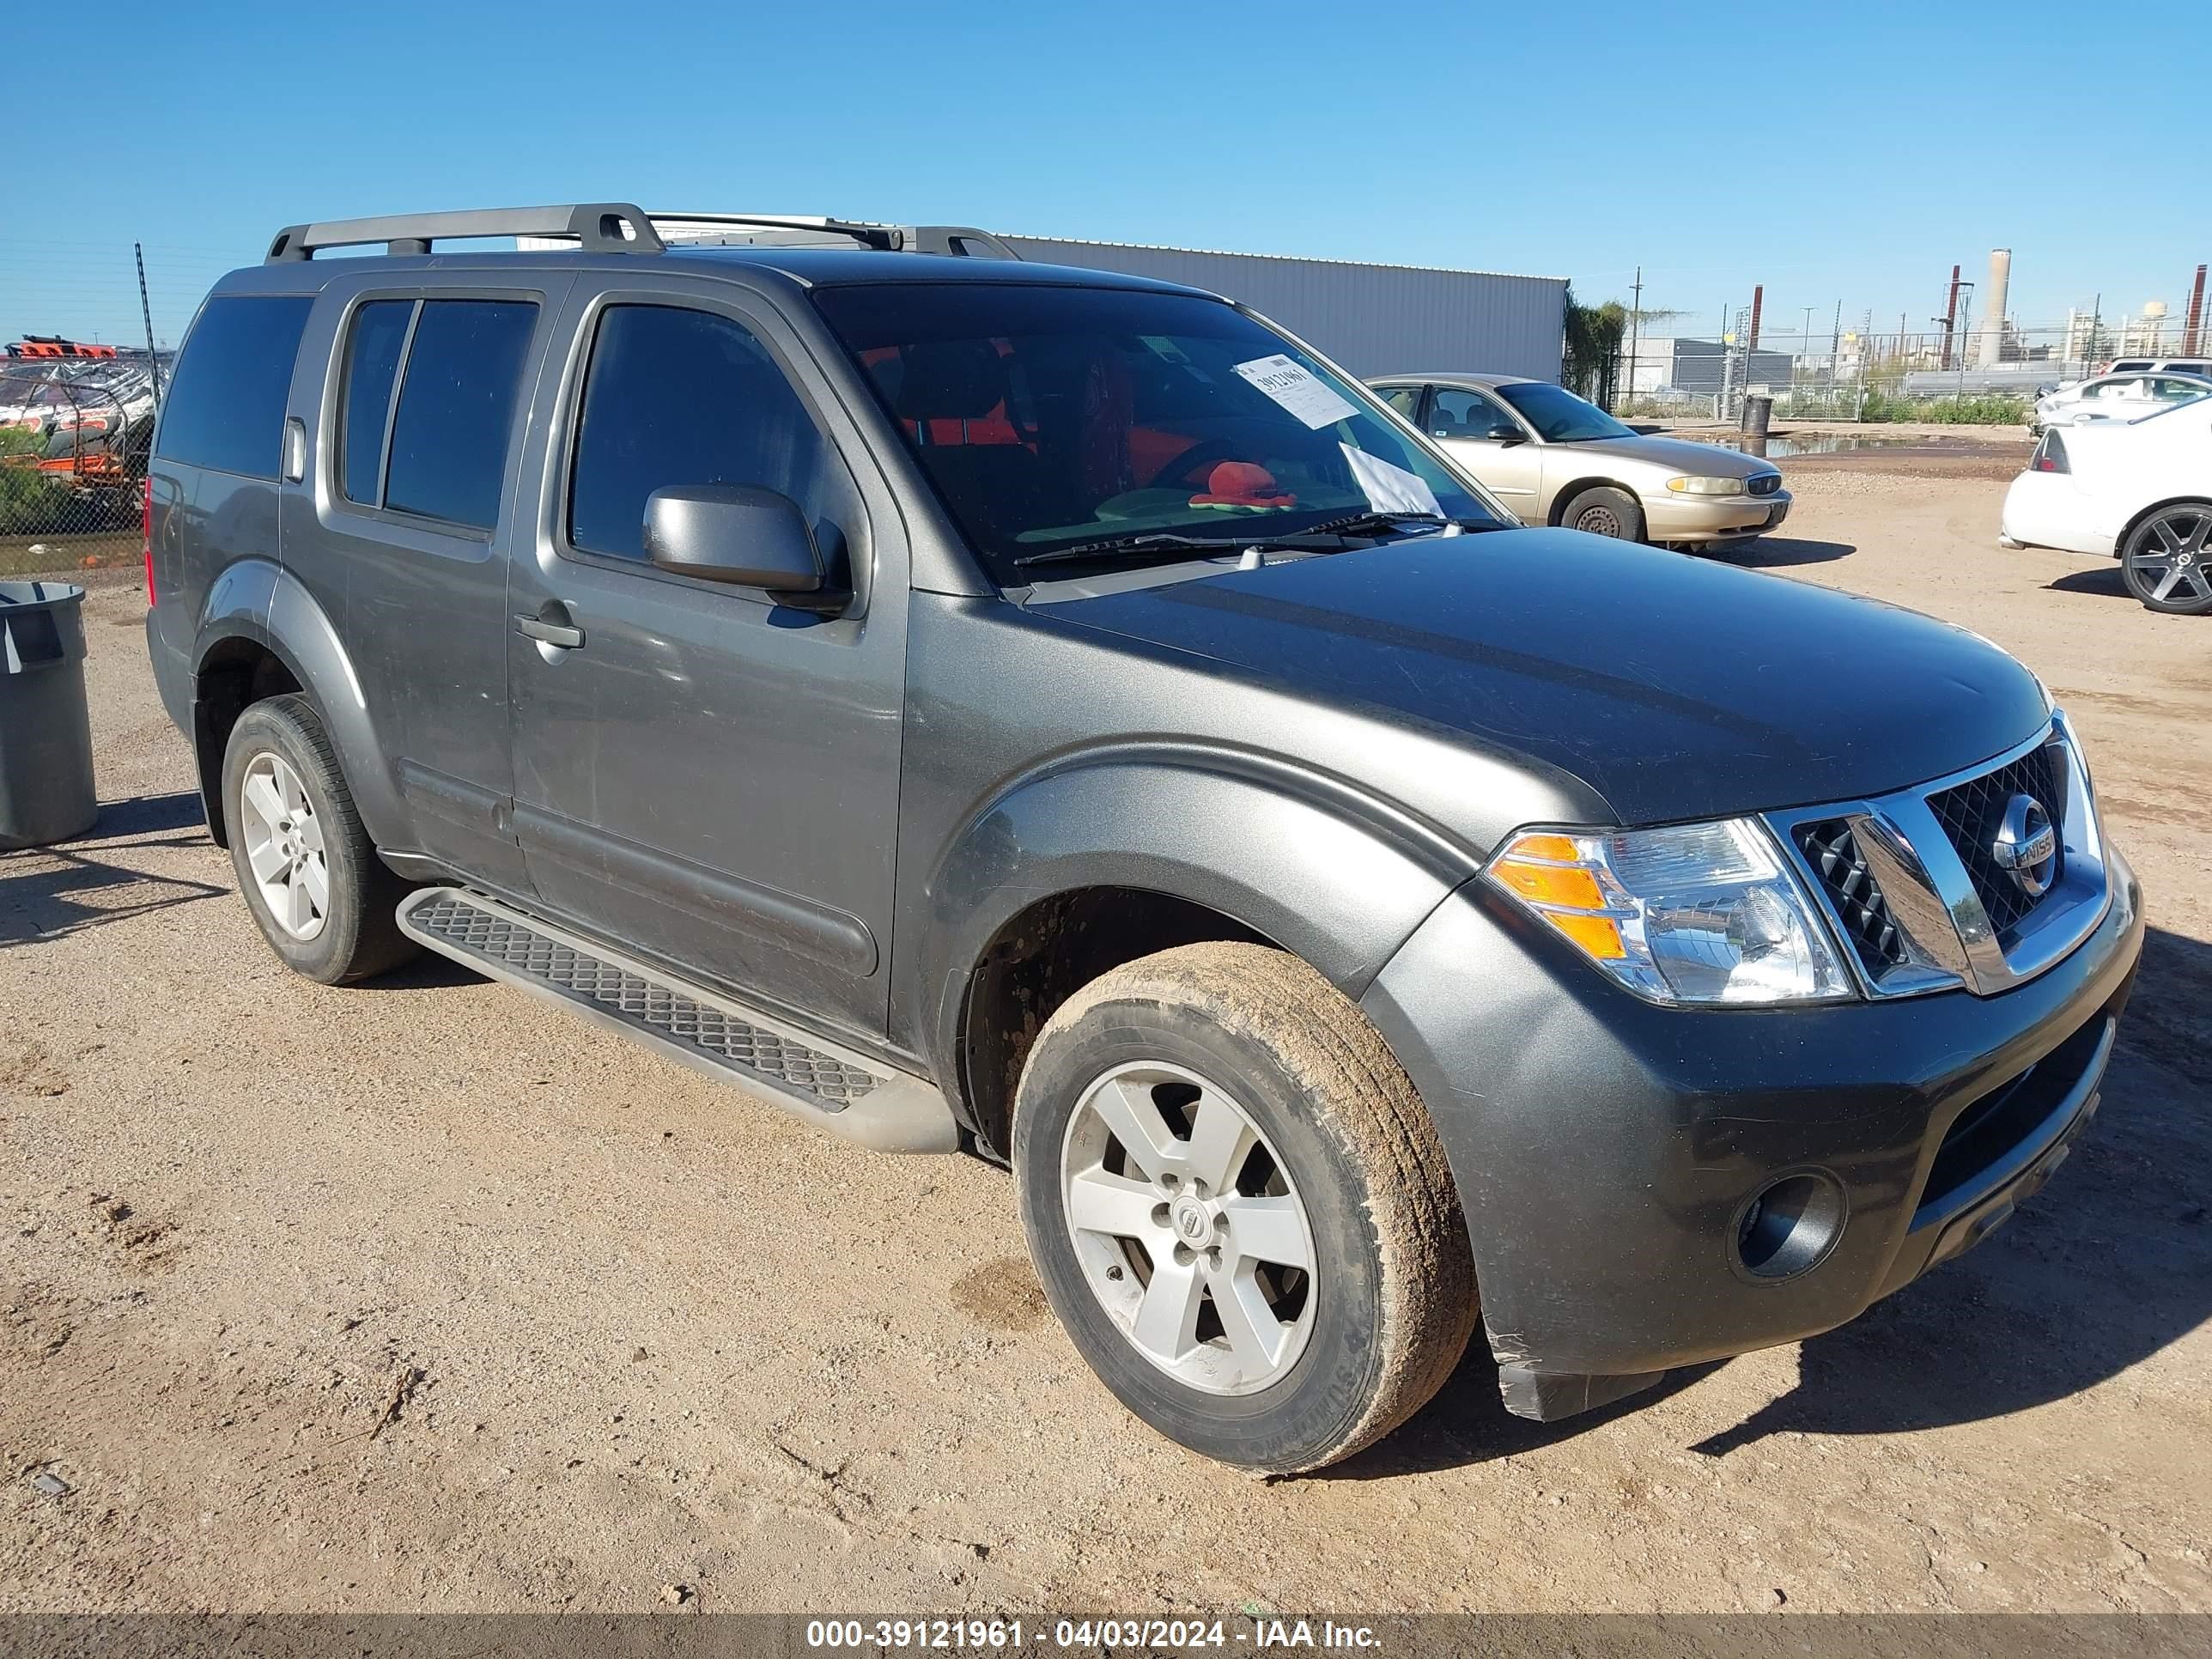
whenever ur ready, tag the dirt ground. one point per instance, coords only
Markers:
(426, 1296)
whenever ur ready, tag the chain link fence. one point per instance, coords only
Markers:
(78, 387)
(1951, 378)
(76, 424)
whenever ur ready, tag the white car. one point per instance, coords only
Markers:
(2161, 366)
(2139, 491)
(2116, 397)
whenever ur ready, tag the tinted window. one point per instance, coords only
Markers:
(226, 404)
(1051, 419)
(677, 397)
(379, 329)
(1558, 415)
(1405, 400)
(449, 438)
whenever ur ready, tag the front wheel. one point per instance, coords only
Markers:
(1605, 511)
(1239, 1208)
(2163, 563)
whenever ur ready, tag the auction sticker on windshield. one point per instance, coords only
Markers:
(1297, 389)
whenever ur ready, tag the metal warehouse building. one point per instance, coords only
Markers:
(1370, 318)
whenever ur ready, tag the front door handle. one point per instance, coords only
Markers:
(552, 625)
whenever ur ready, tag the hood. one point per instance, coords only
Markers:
(1679, 455)
(1676, 687)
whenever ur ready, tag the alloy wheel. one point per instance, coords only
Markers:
(2166, 561)
(1187, 1228)
(284, 846)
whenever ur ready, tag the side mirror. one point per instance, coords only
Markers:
(1507, 439)
(735, 533)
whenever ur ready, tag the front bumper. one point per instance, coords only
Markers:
(1605, 1149)
(1671, 518)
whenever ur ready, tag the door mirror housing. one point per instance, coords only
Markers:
(739, 534)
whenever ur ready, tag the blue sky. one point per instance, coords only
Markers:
(1850, 153)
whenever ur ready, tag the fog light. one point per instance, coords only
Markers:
(1789, 1226)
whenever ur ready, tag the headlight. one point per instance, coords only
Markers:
(1705, 913)
(1705, 486)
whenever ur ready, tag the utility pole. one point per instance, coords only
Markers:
(1950, 316)
(146, 312)
(1635, 330)
(1804, 345)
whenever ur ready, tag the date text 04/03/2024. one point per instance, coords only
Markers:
(893, 1634)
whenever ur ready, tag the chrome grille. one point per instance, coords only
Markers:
(1910, 881)
(1832, 850)
(1971, 813)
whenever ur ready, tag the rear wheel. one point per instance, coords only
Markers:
(2164, 561)
(321, 896)
(1239, 1208)
(1605, 511)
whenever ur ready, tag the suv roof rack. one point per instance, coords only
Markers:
(618, 228)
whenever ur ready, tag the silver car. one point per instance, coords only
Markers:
(1554, 459)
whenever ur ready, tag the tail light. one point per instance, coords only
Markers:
(2050, 455)
(146, 530)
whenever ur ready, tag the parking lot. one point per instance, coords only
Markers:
(426, 1295)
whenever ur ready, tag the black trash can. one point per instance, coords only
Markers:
(46, 731)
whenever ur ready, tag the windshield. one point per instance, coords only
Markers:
(1558, 415)
(1053, 417)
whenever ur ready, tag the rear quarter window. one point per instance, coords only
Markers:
(456, 410)
(226, 403)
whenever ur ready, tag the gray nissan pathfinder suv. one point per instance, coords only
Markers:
(974, 703)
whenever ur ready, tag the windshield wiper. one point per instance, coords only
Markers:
(1137, 544)
(1372, 524)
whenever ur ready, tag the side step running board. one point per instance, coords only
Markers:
(830, 1087)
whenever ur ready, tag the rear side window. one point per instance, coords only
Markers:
(676, 397)
(380, 332)
(1405, 400)
(226, 403)
(457, 396)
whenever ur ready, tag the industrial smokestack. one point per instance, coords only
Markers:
(2195, 318)
(1990, 350)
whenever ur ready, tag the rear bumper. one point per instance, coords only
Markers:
(1713, 518)
(1608, 1151)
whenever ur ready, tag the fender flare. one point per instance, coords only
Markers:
(1325, 871)
(255, 599)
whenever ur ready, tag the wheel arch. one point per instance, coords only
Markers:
(1562, 497)
(2136, 519)
(262, 634)
(1089, 866)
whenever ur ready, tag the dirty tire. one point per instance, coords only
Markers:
(2164, 561)
(1605, 511)
(361, 935)
(1394, 1281)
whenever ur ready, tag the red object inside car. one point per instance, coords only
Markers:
(1242, 484)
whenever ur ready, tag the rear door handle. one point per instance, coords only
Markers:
(552, 625)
